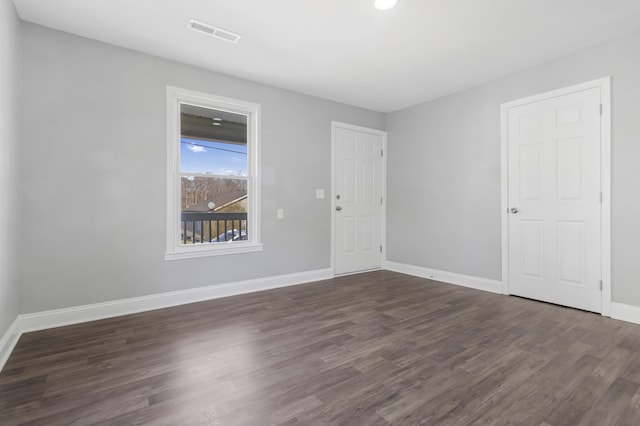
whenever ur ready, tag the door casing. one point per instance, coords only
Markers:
(383, 213)
(604, 84)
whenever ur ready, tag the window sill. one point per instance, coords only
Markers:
(195, 252)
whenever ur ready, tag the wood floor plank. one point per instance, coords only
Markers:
(378, 348)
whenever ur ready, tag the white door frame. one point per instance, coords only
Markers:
(383, 219)
(605, 151)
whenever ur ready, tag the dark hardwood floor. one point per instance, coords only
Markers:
(372, 349)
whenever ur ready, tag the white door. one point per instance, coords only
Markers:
(357, 199)
(554, 200)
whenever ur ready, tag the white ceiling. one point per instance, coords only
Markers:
(345, 50)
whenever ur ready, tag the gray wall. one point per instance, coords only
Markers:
(444, 168)
(92, 174)
(9, 26)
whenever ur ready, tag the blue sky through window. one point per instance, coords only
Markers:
(218, 158)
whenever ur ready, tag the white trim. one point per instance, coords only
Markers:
(80, 314)
(56, 318)
(26, 323)
(485, 284)
(383, 216)
(195, 251)
(174, 250)
(604, 84)
(9, 341)
(605, 158)
(628, 313)
(504, 198)
(383, 230)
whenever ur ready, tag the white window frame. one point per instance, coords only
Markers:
(174, 250)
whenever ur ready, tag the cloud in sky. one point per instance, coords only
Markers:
(225, 172)
(196, 148)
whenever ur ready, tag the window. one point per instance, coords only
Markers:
(212, 172)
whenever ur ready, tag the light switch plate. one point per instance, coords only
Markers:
(320, 194)
(280, 214)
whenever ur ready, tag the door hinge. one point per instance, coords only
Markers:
(601, 198)
(382, 153)
(380, 249)
(381, 202)
(600, 285)
(600, 109)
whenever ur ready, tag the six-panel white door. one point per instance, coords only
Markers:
(554, 199)
(358, 203)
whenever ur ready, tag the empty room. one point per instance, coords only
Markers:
(366, 212)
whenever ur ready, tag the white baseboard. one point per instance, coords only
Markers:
(80, 314)
(56, 318)
(8, 341)
(485, 284)
(629, 313)
(25, 323)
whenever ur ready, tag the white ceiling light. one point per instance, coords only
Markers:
(385, 4)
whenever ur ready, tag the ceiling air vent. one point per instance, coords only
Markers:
(213, 31)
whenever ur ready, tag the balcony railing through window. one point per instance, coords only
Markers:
(200, 228)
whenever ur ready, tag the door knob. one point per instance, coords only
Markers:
(514, 210)
(338, 208)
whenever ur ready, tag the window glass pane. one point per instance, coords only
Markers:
(212, 141)
(227, 194)
(213, 176)
(212, 158)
